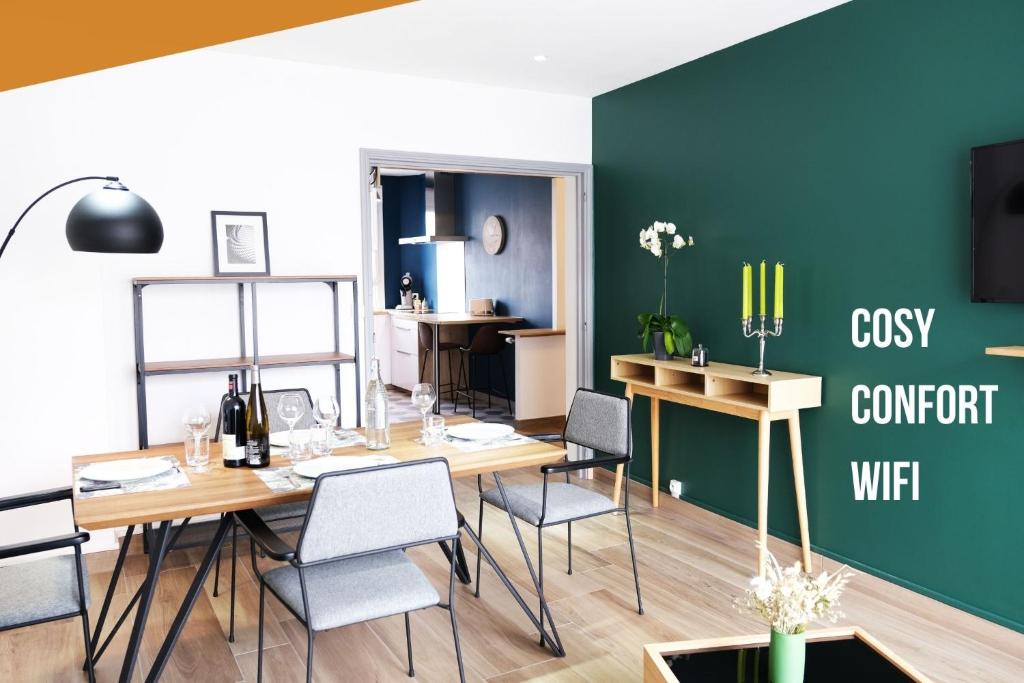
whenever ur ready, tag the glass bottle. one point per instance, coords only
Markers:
(378, 425)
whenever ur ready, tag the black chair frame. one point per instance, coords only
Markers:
(74, 540)
(277, 549)
(466, 358)
(234, 528)
(566, 467)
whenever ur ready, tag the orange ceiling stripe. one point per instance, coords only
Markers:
(41, 40)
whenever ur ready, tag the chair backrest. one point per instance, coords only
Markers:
(426, 335)
(487, 341)
(272, 398)
(601, 422)
(376, 508)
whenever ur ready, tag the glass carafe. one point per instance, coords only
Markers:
(378, 424)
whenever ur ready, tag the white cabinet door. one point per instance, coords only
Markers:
(405, 354)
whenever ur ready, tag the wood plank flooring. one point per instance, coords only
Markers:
(692, 565)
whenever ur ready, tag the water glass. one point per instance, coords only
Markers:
(320, 441)
(197, 452)
(434, 433)
(299, 445)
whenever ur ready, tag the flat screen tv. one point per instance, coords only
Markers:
(997, 222)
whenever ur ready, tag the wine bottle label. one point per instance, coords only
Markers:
(252, 452)
(231, 451)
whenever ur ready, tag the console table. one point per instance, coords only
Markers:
(733, 390)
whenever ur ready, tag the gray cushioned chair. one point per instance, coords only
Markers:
(48, 589)
(349, 565)
(598, 421)
(272, 513)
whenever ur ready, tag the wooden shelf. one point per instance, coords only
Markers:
(1011, 351)
(167, 367)
(213, 279)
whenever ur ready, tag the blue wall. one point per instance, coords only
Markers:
(519, 278)
(403, 199)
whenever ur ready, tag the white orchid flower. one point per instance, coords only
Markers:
(678, 242)
(691, 240)
(670, 228)
(659, 226)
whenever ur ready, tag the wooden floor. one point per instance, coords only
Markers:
(692, 564)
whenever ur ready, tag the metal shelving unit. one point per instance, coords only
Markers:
(242, 361)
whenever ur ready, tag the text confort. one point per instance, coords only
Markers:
(905, 403)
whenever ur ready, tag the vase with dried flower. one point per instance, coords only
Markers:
(788, 599)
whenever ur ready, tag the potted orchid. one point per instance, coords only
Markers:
(789, 599)
(670, 334)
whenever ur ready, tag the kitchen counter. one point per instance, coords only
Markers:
(533, 332)
(461, 318)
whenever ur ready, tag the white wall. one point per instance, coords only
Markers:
(193, 133)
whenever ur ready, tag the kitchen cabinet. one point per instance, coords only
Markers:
(405, 353)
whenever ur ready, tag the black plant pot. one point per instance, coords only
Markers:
(659, 347)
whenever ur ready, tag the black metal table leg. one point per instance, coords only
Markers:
(555, 645)
(461, 566)
(118, 565)
(529, 565)
(156, 557)
(190, 598)
(437, 373)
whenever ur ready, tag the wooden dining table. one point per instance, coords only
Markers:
(223, 491)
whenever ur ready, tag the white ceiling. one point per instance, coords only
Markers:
(592, 46)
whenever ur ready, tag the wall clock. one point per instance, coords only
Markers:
(494, 235)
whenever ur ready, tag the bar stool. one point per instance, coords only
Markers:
(427, 342)
(488, 344)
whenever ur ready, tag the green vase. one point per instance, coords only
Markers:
(786, 657)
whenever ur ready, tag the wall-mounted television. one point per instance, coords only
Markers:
(997, 222)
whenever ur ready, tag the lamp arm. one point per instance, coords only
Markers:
(40, 197)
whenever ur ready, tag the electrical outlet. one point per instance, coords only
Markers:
(675, 488)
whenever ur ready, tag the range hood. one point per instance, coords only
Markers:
(439, 216)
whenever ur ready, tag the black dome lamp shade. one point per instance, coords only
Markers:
(110, 220)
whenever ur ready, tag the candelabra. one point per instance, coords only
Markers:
(762, 335)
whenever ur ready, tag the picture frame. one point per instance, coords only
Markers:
(240, 245)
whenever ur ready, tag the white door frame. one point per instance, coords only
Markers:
(584, 175)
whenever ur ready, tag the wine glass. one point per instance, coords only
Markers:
(196, 419)
(423, 397)
(326, 411)
(291, 408)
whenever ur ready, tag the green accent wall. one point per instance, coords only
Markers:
(839, 145)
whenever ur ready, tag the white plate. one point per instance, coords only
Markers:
(335, 463)
(480, 431)
(281, 438)
(126, 470)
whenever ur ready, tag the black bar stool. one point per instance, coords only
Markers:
(488, 344)
(427, 342)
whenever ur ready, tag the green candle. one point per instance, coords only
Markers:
(779, 281)
(763, 288)
(746, 304)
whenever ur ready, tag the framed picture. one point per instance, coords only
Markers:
(240, 243)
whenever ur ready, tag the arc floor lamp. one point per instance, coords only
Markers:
(111, 220)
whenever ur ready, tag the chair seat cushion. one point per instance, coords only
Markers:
(565, 502)
(356, 590)
(273, 513)
(42, 589)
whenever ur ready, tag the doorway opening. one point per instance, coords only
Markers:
(469, 233)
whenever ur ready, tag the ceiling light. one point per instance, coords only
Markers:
(540, 58)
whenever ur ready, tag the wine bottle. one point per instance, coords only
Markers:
(232, 420)
(257, 425)
(378, 426)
